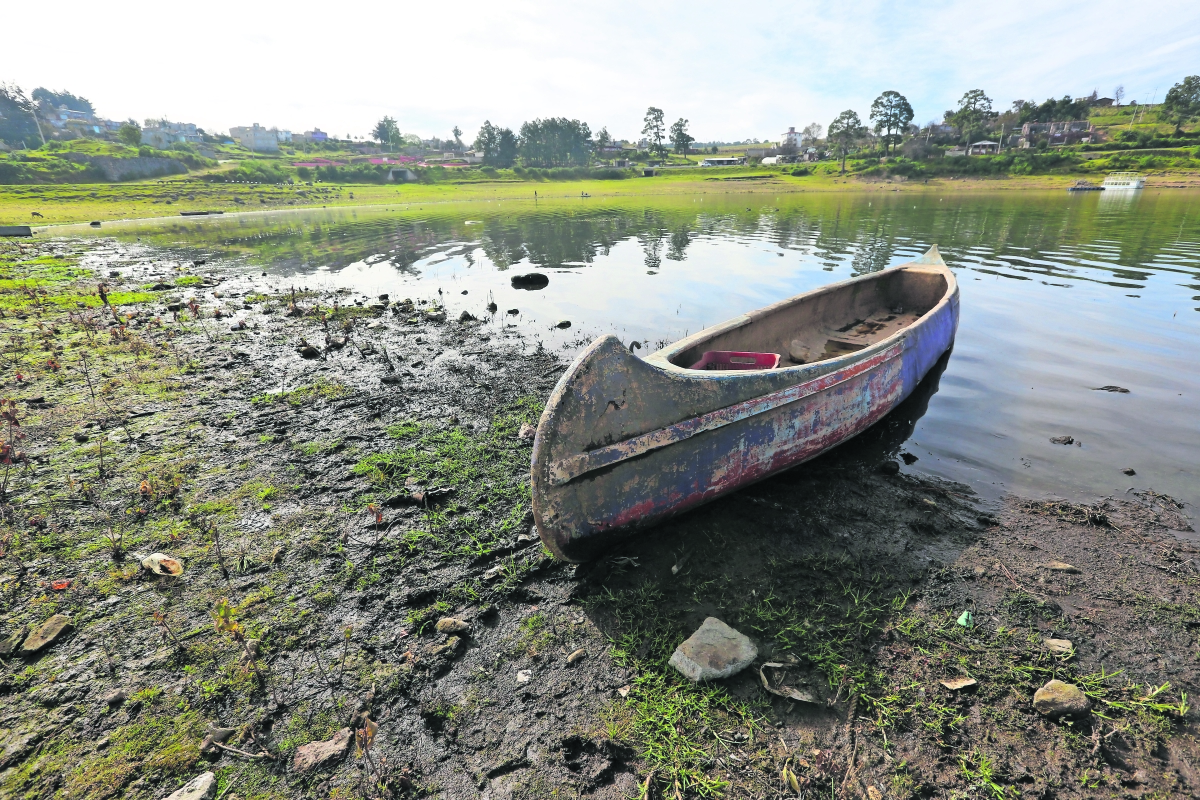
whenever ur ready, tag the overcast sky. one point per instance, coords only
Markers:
(734, 71)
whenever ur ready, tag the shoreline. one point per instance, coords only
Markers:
(137, 201)
(343, 500)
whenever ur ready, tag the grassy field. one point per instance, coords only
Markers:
(63, 204)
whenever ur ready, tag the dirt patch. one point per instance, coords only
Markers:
(329, 510)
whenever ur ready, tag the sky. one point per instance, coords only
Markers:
(733, 72)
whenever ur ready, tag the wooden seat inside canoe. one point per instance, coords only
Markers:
(841, 319)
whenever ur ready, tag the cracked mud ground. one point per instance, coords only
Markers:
(329, 511)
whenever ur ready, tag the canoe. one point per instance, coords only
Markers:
(625, 442)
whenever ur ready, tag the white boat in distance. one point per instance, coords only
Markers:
(1124, 180)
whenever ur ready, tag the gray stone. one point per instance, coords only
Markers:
(47, 633)
(10, 645)
(1059, 566)
(15, 746)
(201, 787)
(1058, 699)
(316, 754)
(452, 625)
(714, 651)
(1060, 647)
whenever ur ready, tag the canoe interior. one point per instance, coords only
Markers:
(824, 325)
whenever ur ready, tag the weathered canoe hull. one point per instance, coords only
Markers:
(625, 442)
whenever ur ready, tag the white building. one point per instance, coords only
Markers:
(256, 137)
(161, 133)
(792, 138)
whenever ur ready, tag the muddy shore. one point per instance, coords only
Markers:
(341, 476)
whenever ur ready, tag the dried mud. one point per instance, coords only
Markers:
(335, 517)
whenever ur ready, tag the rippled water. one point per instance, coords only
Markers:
(1060, 294)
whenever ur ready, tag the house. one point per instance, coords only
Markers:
(1103, 102)
(315, 135)
(983, 148)
(732, 161)
(1068, 132)
(257, 138)
(791, 139)
(761, 152)
(955, 152)
(283, 136)
(162, 133)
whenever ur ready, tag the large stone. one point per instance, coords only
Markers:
(47, 633)
(316, 754)
(1059, 647)
(13, 641)
(714, 651)
(201, 787)
(1058, 699)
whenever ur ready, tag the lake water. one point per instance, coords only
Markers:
(1060, 294)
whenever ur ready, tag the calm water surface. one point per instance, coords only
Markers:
(1060, 295)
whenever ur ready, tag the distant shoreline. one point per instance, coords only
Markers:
(75, 203)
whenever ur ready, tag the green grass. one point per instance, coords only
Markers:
(320, 389)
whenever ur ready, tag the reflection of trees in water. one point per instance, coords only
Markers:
(1051, 238)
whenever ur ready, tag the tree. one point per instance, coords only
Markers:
(973, 114)
(603, 138)
(844, 134)
(653, 128)
(457, 136)
(386, 132)
(130, 134)
(891, 113)
(555, 142)
(1182, 103)
(680, 139)
(498, 145)
(17, 121)
(47, 98)
(1119, 93)
(812, 131)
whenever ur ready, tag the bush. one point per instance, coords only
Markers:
(801, 171)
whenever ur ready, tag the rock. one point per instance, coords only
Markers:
(909, 458)
(1129, 471)
(17, 744)
(317, 754)
(957, 684)
(201, 787)
(308, 351)
(213, 737)
(10, 645)
(163, 564)
(466, 316)
(1060, 647)
(872, 792)
(530, 281)
(47, 634)
(115, 698)
(512, 312)
(81, 437)
(563, 324)
(527, 432)
(1062, 439)
(391, 379)
(1058, 699)
(1059, 566)
(578, 655)
(714, 651)
(624, 690)
(1114, 389)
(889, 468)
(524, 676)
(493, 573)
(452, 625)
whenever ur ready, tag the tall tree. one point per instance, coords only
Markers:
(386, 132)
(654, 128)
(1119, 93)
(1182, 103)
(812, 131)
(680, 139)
(555, 142)
(498, 145)
(844, 134)
(891, 114)
(130, 133)
(973, 114)
(17, 121)
(603, 138)
(457, 136)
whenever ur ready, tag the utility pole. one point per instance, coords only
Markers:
(33, 114)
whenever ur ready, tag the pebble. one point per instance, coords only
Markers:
(1129, 471)
(1062, 439)
(957, 684)
(163, 564)
(201, 787)
(47, 633)
(889, 467)
(527, 432)
(524, 676)
(1060, 566)
(1058, 699)
(563, 324)
(115, 698)
(81, 437)
(1059, 646)
(578, 655)
(624, 690)
(714, 651)
(466, 316)
(452, 625)
(315, 754)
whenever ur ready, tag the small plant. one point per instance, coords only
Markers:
(9, 454)
(116, 541)
(160, 622)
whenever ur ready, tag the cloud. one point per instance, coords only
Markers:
(733, 71)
